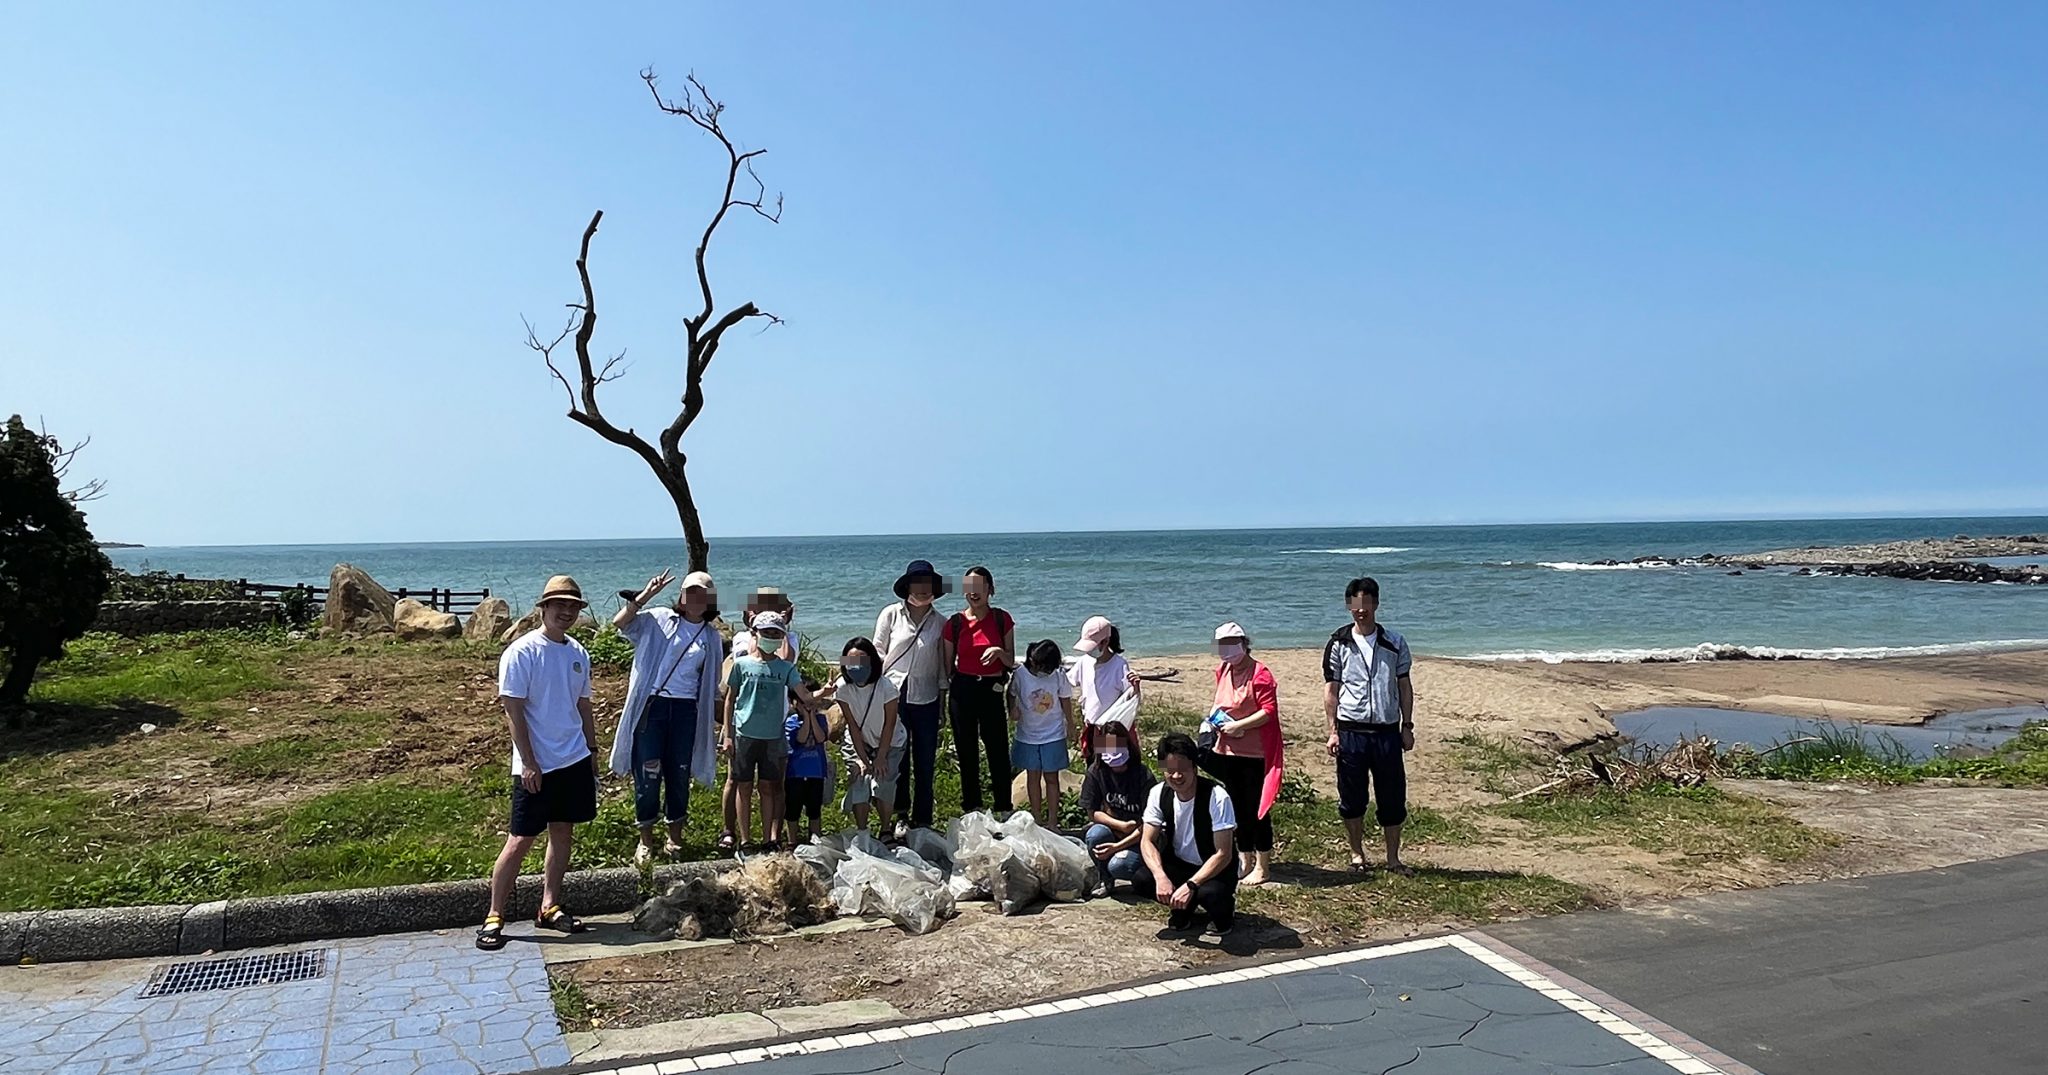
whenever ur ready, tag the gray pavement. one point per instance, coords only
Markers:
(1440, 1006)
(1939, 970)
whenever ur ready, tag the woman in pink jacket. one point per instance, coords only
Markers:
(1245, 754)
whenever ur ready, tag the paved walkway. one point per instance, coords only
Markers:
(1939, 970)
(1462, 1005)
(417, 1002)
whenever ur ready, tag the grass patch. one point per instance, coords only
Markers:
(1495, 758)
(574, 1008)
(1843, 753)
(169, 670)
(283, 756)
(1703, 823)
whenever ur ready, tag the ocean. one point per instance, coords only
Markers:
(1501, 592)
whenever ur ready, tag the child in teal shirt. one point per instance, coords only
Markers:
(751, 727)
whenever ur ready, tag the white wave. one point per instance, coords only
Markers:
(1365, 550)
(1728, 651)
(1556, 565)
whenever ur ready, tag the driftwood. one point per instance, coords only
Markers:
(1691, 763)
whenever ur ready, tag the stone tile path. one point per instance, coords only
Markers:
(418, 1002)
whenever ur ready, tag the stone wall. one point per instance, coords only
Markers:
(161, 617)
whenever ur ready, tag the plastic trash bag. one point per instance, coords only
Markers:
(997, 869)
(822, 857)
(867, 885)
(969, 832)
(933, 847)
(904, 856)
(1062, 866)
(1124, 709)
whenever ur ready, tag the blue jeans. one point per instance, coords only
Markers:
(662, 746)
(922, 722)
(1125, 865)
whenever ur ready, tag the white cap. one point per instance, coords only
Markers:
(1232, 630)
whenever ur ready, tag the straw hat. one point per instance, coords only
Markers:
(562, 588)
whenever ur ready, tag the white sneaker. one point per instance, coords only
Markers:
(642, 854)
(902, 829)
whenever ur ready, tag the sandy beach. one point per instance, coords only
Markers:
(1557, 706)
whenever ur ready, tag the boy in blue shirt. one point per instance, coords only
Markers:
(750, 727)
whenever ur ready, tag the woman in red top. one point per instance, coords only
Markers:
(980, 646)
(1247, 753)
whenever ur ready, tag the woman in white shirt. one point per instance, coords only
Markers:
(907, 637)
(664, 736)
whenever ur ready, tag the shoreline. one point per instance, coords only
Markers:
(1571, 703)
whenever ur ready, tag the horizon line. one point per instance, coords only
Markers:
(2041, 513)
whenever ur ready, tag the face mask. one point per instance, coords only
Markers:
(856, 674)
(1115, 757)
(1231, 652)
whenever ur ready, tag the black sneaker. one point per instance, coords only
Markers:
(1180, 922)
(1216, 932)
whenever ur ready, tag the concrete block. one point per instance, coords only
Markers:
(104, 933)
(203, 929)
(816, 1018)
(13, 931)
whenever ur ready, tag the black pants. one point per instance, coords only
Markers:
(921, 720)
(1217, 895)
(1245, 780)
(1371, 756)
(979, 714)
(803, 795)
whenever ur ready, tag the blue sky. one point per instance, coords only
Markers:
(1049, 266)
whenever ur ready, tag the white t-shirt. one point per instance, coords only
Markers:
(1221, 817)
(910, 652)
(1100, 683)
(1366, 647)
(663, 628)
(551, 677)
(1040, 719)
(869, 709)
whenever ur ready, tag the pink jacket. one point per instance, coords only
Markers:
(1265, 693)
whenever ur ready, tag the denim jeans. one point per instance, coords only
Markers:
(922, 722)
(662, 745)
(1125, 865)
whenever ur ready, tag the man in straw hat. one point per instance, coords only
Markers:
(544, 685)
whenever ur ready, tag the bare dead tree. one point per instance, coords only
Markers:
(61, 459)
(705, 329)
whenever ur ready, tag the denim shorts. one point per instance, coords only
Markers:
(1038, 757)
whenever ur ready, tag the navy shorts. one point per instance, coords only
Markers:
(566, 794)
(1370, 761)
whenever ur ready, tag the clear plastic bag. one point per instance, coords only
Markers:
(867, 885)
(932, 846)
(1061, 865)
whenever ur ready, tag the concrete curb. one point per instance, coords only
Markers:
(262, 921)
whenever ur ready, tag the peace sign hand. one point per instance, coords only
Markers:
(654, 586)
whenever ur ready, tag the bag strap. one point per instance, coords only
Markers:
(678, 663)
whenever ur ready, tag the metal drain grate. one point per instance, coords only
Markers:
(270, 968)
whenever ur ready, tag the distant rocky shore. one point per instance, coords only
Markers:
(1955, 559)
(1960, 547)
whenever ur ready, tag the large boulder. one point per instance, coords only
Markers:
(521, 625)
(415, 622)
(489, 621)
(356, 604)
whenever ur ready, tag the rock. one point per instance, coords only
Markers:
(492, 616)
(415, 622)
(1731, 573)
(356, 603)
(521, 625)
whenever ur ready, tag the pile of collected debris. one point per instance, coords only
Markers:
(1013, 864)
(1689, 763)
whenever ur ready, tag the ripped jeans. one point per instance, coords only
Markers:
(662, 746)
